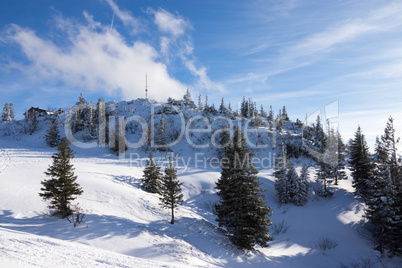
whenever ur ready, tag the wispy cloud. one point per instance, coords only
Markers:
(125, 17)
(203, 80)
(313, 47)
(169, 23)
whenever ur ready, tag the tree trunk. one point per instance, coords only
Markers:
(172, 220)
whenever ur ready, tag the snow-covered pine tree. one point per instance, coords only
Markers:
(320, 141)
(206, 106)
(200, 106)
(279, 122)
(100, 120)
(385, 205)
(340, 168)
(389, 141)
(291, 180)
(170, 191)
(223, 141)
(161, 135)
(222, 107)
(285, 116)
(188, 100)
(31, 123)
(91, 126)
(62, 187)
(120, 145)
(11, 112)
(305, 186)
(241, 208)
(77, 122)
(298, 186)
(334, 156)
(323, 173)
(271, 117)
(212, 109)
(263, 113)
(280, 173)
(6, 113)
(81, 100)
(361, 165)
(53, 134)
(151, 180)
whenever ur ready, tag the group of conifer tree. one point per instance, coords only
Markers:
(8, 112)
(290, 187)
(166, 185)
(377, 178)
(241, 210)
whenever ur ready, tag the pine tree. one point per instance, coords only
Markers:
(285, 116)
(200, 106)
(223, 141)
(263, 113)
(323, 173)
(334, 156)
(161, 135)
(187, 100)
(241, 208)
(271, 117)
(320, 138)
(11, 112)
(151, 180)
(53, 134)
(100, 119)
(222, 107)
(212, 109)
(360, 165)
(340, 169)
(206, 106)
(170, 191)
(5, 116)
(389, 140)
(81, 100)
(291, 180)
(280, 172)
(301, 189)
(119, 146)
(91, 127)
(62, 187)
(32, 123)
(385, 203)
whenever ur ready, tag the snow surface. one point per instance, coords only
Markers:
(126, 227)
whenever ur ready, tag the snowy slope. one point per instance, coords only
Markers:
(19, 249)
(125, 226)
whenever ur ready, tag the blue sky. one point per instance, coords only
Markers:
(303, 54)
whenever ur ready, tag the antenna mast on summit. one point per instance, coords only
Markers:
(146, 86)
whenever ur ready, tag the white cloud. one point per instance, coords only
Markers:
(169, 23)
(98, 60)
(203, 80)
(124, 16)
